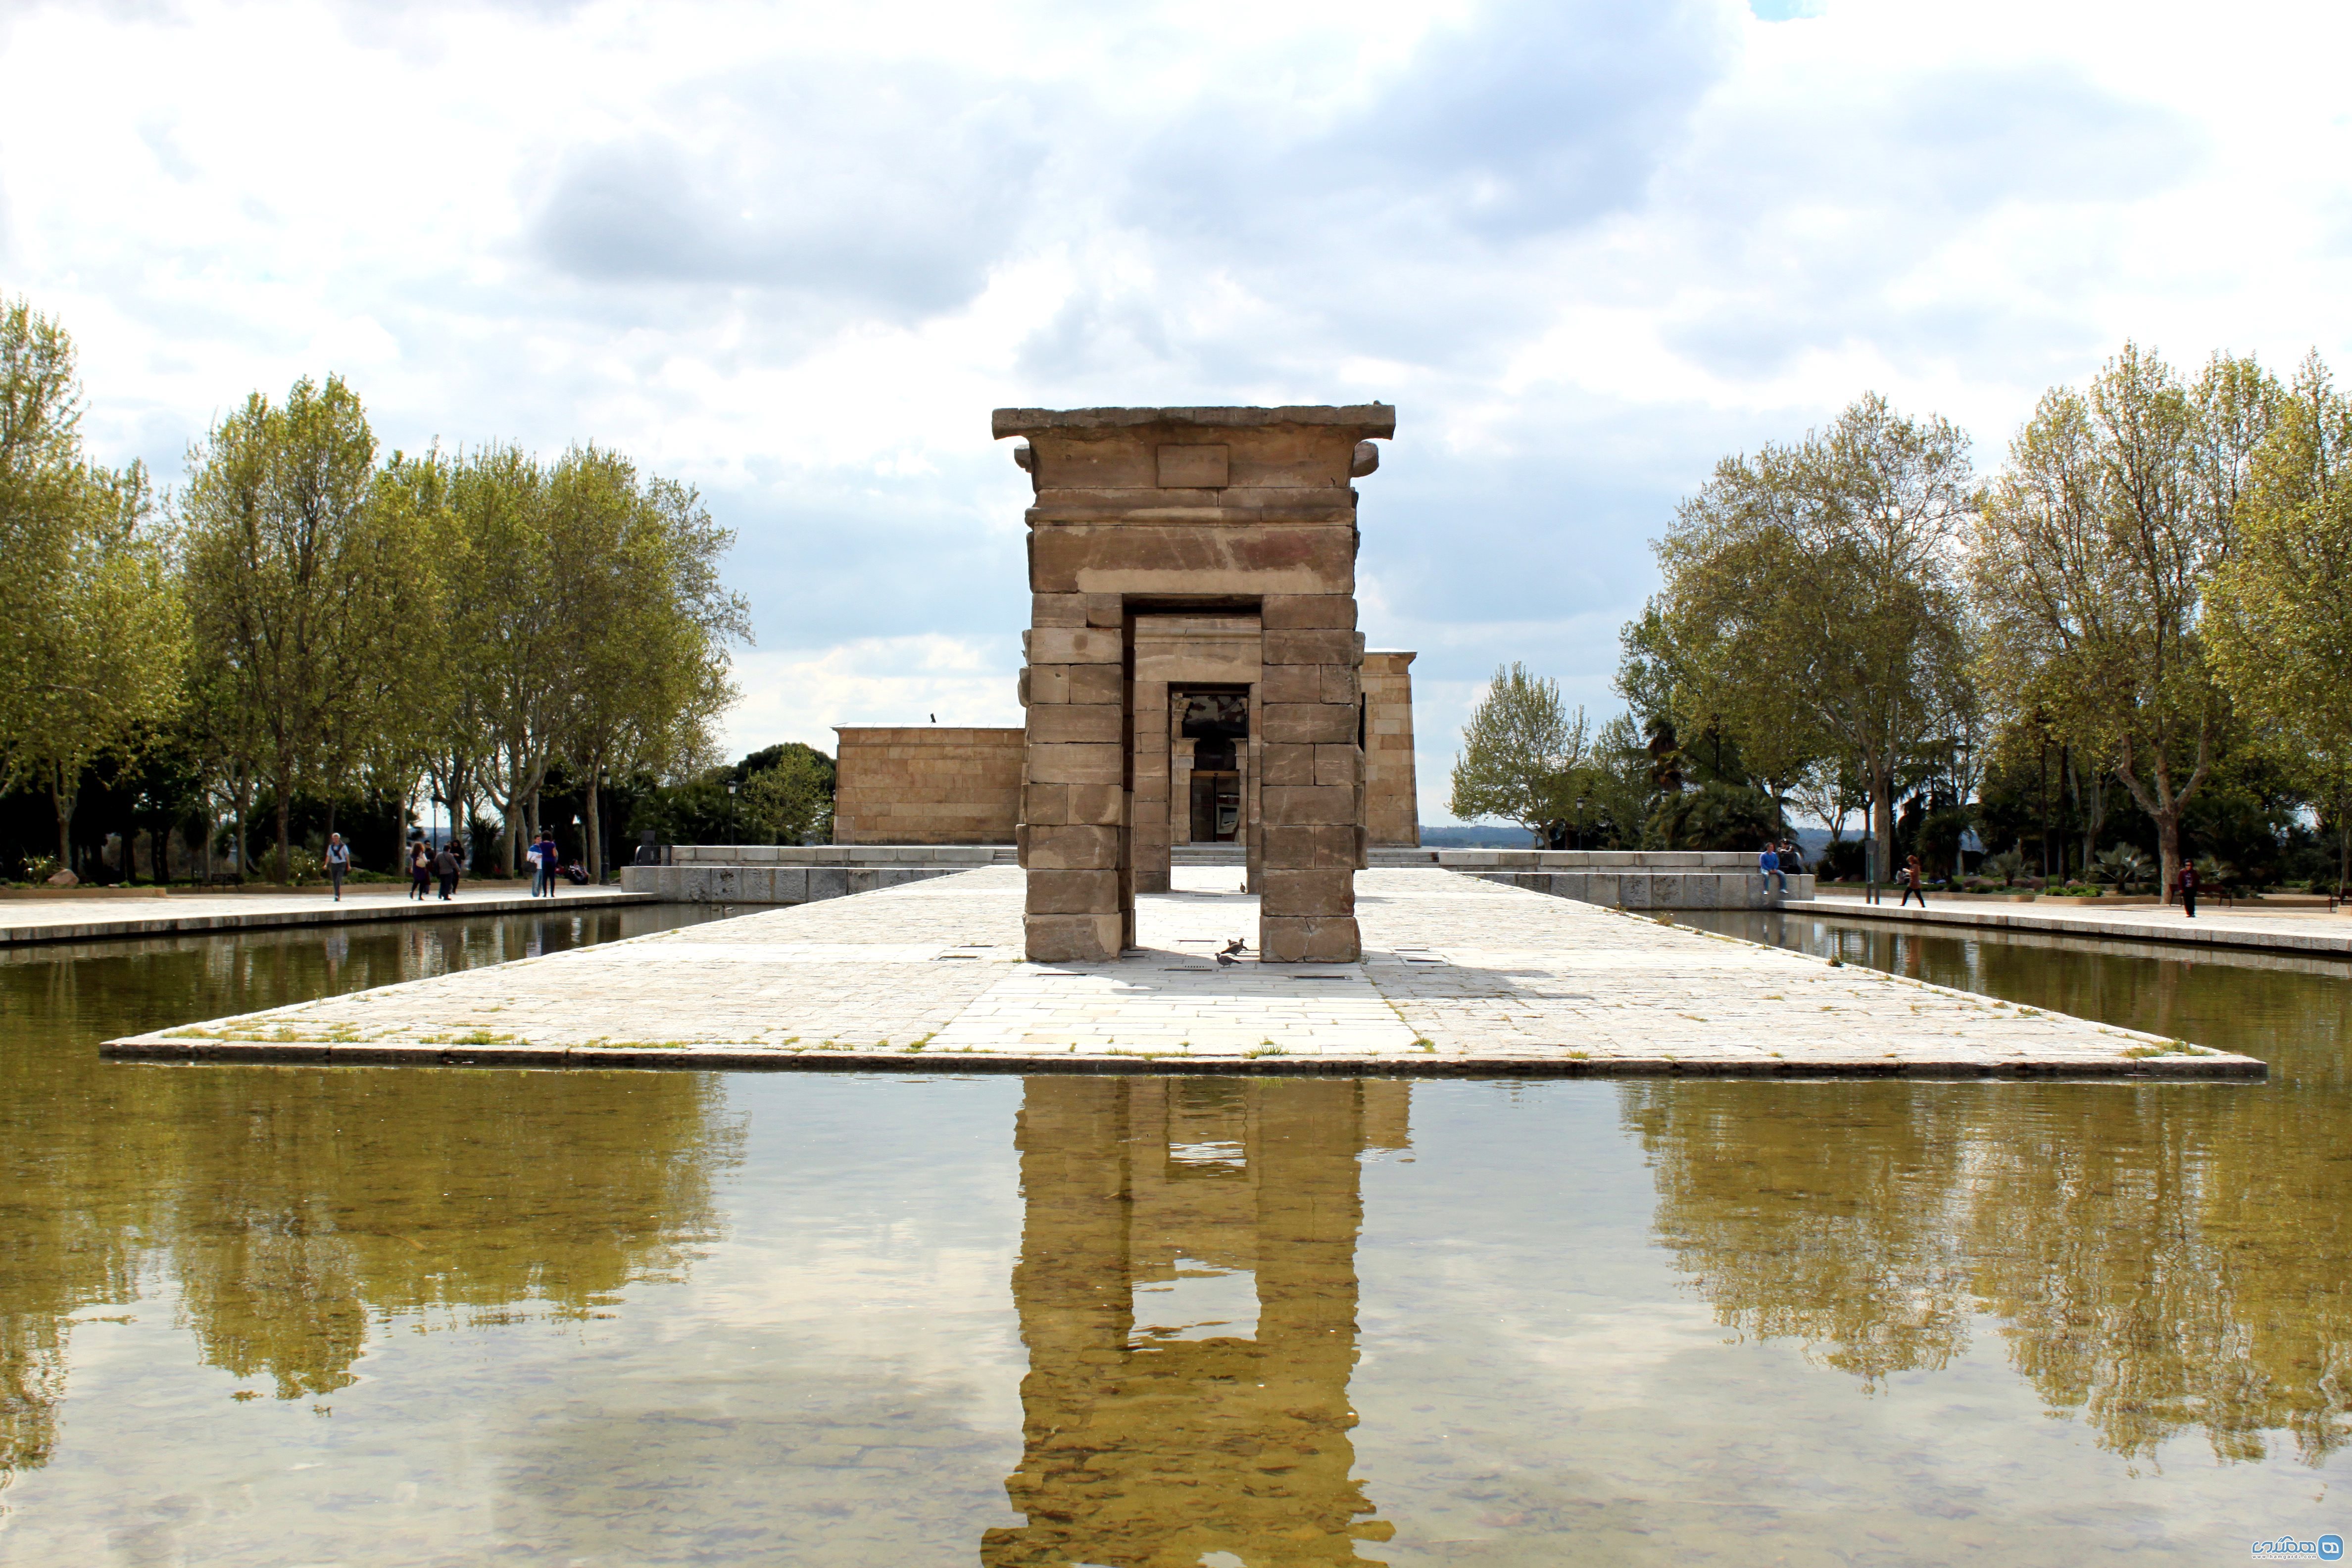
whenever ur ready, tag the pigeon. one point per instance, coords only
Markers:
(1224, 961)
(1237, 945)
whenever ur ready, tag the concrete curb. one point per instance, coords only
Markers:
(327, 914)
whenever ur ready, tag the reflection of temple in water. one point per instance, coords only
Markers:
(1187, 1291)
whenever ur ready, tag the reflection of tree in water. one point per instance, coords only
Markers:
(295, 1204)
(2159, 1260)
(1187, 1291)
(385, 1190)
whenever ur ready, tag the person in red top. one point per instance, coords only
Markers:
(1911, 889)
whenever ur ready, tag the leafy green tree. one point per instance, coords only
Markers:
(1813, 606)
(2281, 629)
(1518, 752)
(303, 592)
(650, 624)
(509, 643)
(793, 796)
(91, 634)
(2091, 559)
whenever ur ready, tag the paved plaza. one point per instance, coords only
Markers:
(1459, 976)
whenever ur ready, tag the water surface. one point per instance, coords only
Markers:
(296, 1315)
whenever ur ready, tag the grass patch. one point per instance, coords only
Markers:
(276, 1035)
(480, 1038)
(2168, 1049)
(1267, 1049)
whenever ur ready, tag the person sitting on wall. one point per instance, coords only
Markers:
(1768, 865)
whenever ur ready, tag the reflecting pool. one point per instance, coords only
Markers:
(295, 1316)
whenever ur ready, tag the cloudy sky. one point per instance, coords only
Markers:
(795, 255)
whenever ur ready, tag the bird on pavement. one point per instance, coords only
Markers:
(1225, 959)
(1237, 945)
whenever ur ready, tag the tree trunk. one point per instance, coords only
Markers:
(1881, 825)
(2168, 852)
(595, 849)
(61, 800)
(284, 834)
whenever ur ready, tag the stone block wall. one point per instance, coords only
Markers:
(1391, 791)
(926, 784)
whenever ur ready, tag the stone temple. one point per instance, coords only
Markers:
(1192, 676)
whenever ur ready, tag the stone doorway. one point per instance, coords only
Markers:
(1208, 749)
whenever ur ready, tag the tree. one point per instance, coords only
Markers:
(91, 637)
(303, 592)
(2280, 627)
(1516, 753)
(792, 795)
(511, 638)
(2091, 558)
(649, 627)
(1812, 605)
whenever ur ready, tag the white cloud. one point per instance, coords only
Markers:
(795, 255)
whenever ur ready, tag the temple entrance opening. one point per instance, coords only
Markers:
(1211, 742)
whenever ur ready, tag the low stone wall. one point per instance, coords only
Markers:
(1619, 879)
(712, 884)
(800, 873)
(961, 855)
(1639, 888)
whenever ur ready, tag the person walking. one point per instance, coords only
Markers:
(445, 865)
(2189, 887)
(547, 855)
(339, 863)
(420, 870)
(1911, 884)
(1768, 865)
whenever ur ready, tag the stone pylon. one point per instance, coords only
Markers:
(1228, 530)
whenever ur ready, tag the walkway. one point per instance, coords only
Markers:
(2311, 930)
(45, 918)
(1461, 977)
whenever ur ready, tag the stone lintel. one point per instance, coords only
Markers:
(1366, 420)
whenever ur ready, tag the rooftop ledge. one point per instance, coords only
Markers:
(1369, 419)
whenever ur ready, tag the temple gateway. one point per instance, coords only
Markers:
(1192, 675)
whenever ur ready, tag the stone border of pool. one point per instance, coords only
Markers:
(2176, 931)
(2217, 1067)
(325, 913)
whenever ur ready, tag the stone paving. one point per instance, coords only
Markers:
(1460, 976)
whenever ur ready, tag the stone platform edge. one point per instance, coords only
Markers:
(327, 914)
(2214, 1066)
(2180, 932)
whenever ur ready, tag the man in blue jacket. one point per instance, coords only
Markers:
(1768, 865)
